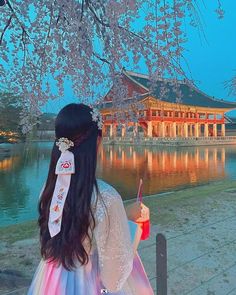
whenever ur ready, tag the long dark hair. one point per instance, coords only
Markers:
(74, 122)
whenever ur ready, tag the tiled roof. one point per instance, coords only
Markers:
(232, 120)
(188, 93)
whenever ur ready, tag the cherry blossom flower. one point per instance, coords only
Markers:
(43, 43)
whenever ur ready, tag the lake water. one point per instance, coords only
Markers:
(24, 170)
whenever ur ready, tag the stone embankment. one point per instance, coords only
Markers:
(169, 141)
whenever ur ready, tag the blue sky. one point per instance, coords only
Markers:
(212, 60)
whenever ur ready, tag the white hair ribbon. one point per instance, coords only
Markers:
(64, 168)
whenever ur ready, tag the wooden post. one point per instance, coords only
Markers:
(163, 129)
(111, 130)
(135, 130)
(114, 130)
(222, 129)
(196, 130)
(191, 130)
(206, 133)
(215, 130)
(185, 130)
(149, 129)
(174, 130)
(103, 130)
(161, 265)
(123, 130)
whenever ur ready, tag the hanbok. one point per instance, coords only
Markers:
(113, 267)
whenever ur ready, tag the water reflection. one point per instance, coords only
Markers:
(24, 171)
(7, 163)
(21, 176)
(162, 169)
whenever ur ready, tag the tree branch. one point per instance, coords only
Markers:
(82, 11)
(95, 15)
(101, 58)
(17, 18)
(5, 28)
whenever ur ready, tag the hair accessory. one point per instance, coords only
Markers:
(64, 144)
(64, 168)
(97, 117)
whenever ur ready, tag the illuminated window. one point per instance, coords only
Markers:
(154, 113)
(202, 115)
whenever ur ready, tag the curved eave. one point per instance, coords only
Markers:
(182, 105)
(134, 81)
(153, 100)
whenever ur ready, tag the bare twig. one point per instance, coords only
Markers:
(17, 18)
(101, 58)
(95, 15)
(82, 11)
(5, 28)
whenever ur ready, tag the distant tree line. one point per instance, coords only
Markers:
(11, 107)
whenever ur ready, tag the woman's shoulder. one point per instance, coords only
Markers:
(107, 191)
(107, 195)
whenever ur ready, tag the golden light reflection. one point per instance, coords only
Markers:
(11, 136)
(8, 163)
(164, 169)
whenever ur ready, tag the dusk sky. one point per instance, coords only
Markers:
(212, 60)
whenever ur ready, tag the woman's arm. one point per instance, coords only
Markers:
(114, 246)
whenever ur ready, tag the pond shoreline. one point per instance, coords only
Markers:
(158, 195)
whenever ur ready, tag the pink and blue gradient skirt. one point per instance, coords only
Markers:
(51, 279)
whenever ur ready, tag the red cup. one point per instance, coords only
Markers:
(145, 226)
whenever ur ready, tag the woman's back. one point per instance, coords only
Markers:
(84, 233)
(112, 264)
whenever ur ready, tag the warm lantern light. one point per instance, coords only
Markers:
(10, 136)
(9, 133)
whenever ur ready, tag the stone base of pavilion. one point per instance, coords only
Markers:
(170, 141)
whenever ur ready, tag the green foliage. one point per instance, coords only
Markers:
(46, 121)
(10, 109)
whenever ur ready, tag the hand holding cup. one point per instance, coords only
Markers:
(134, 211)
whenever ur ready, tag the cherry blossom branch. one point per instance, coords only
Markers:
(104, 60)
(82, 10)
(179, 70)
(95, 15)
(17, 18)
(5, 28)
(90, 41)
